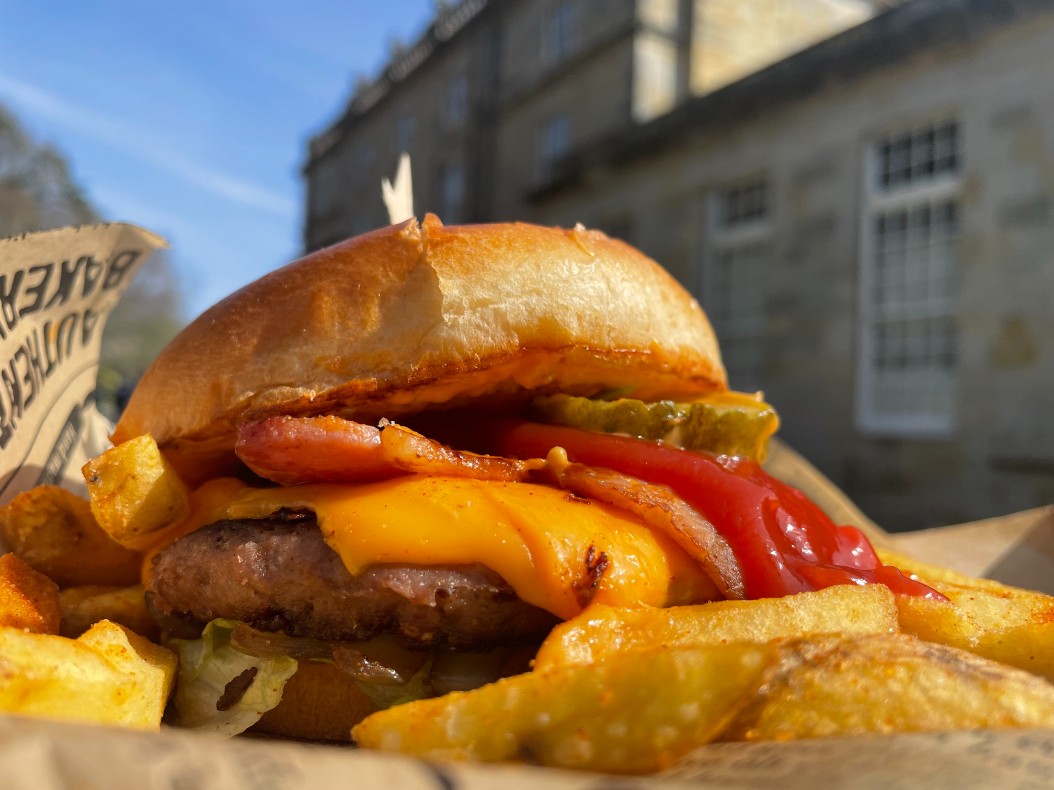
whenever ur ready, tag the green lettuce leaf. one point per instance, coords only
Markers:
(222, 690)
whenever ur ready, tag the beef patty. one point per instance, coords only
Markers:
(278, 574)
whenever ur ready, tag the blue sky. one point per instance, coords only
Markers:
(192, 118)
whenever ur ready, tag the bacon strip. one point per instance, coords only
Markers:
(292, 450)
(409, 451)
(660, 508)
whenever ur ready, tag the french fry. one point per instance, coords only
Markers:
(634, 715)
(135, 493)
(647, 709)
(836, 686)
(108, 676)
(603, 632)
(1006, 624)
(934, 574)
(83, 607)
(55, 532)
(28, 600)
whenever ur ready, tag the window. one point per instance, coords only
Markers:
(738, 265)
(554, 144)
(404, 133)
(324, 190)
(909, 283)
(743, 205)
(456, 100)
(451, 193)
(558, 31)
(362, 164)
(918, 156)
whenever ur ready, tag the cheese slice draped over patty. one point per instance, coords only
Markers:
(557, 551)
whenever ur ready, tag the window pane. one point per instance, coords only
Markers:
(558, 31)
(744, 204)
(457, 99)
(735, 297)
(919, 156)
(554, 143)
(914, 329)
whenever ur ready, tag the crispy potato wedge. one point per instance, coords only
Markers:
(634, 715)
(836, 686)
(108, 676)
(83, 607)
(135, 493)
(28, 599)
(646, 709)
(934, 574)
(54, 531)
(1005, 624)
(1015, 627)
(601, 632)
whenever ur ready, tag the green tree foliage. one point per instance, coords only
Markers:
(37, 192)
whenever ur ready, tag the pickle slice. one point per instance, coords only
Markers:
(725, 423)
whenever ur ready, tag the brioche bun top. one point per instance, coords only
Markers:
(419, 315)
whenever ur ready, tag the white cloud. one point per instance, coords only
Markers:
(146, 147)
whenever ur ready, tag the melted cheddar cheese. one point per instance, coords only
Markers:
(557, 551)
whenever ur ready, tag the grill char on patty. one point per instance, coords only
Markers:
(278, 574)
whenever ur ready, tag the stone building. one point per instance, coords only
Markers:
(869, 222)
(494, 95)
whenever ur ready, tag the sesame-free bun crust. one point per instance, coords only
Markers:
(418, 315)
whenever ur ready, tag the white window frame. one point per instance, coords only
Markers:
(877, 200)
(722, 237)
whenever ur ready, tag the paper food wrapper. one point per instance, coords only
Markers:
(56, 290)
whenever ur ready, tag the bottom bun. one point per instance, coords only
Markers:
(319, 703)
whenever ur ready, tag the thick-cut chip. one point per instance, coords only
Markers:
(646, 709)
(603, 633)
(54, 531)
(634, 715)
(108, 676)
(28, 599)
(135, 493)
(837, 686)
(83, 607)
(1005, 624)
(918, 569)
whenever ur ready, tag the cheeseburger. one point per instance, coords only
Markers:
(414, 452)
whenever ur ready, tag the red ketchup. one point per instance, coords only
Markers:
(784, 542)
